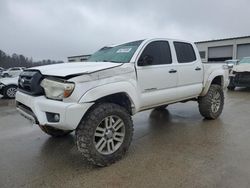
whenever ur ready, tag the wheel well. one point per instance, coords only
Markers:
(218, 80)
(121, 99)
(7, 86)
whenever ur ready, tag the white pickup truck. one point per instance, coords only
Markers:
(97, 98)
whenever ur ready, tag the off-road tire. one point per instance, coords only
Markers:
(6, 91)
(53, 131)
(205, 103)
(86, 130)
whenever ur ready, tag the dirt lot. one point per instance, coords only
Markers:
(171, 148)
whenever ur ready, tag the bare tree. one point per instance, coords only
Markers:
(7, 61)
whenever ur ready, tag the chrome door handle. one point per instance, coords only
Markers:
(172, 71)
(198, 69)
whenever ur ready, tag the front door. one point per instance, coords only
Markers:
(157, 74)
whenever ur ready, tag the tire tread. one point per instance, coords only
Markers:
(205, 103)
(86, 128)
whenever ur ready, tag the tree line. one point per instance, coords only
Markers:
(15, 60)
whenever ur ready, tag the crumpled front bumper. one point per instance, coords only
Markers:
(240, 79)
(36, 109)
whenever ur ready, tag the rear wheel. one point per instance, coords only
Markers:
(53, 131)
(105, 134)
(211, 105)
(10, 91)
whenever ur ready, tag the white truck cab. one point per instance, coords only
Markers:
(97, 98)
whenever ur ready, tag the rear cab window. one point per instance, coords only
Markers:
(185, 52)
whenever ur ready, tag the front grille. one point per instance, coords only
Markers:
(242, 78)
(29, 82)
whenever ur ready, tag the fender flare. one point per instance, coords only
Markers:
(110, 89)
(210, 78)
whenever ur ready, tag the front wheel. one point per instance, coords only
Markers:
(104, 134)
(211, 105)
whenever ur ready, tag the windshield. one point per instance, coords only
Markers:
(117, 54)
(245, 60)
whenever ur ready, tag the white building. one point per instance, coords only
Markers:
(224, 49)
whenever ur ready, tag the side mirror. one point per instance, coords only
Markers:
(146, 60)
(230, 65)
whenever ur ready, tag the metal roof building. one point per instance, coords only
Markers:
(224, 49)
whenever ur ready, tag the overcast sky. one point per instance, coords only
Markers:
(55, 29)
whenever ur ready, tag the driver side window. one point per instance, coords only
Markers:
(156, 53)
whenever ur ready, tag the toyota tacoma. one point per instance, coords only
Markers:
(97, 99)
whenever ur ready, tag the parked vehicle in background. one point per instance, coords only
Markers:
(8, 87)
(231, 63)
(240, 75)
(12, 72)
(98, 98)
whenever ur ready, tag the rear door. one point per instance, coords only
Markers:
(190, 70)
(159, 76)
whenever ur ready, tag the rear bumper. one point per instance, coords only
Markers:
(37, 108)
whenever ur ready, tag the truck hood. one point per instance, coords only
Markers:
(78, 68)
(242, 68)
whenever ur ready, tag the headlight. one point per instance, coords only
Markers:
(57, 89)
